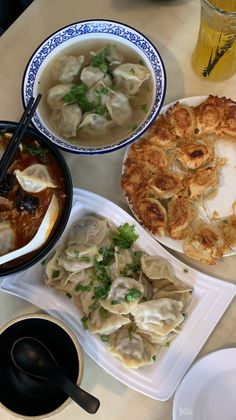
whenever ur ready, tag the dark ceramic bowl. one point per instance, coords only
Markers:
(22, 396)
(22, 263)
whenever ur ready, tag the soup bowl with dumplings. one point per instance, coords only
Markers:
(102, 84)
(38, 179)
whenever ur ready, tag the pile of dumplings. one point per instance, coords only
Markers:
(132, 300)
(171, 172)
(95, 94)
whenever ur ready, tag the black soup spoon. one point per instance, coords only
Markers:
(34, 359)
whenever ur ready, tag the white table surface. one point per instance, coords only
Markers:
(172, 25)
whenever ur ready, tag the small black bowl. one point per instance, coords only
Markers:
(22, 263)
(23, 396)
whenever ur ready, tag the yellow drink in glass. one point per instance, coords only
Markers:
(215, 54)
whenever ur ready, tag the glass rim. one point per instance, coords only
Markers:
(218, 10)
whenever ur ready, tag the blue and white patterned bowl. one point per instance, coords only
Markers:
(87, 30)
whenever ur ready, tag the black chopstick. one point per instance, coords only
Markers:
(18, 136)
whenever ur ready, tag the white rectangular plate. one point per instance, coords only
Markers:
(210, 299)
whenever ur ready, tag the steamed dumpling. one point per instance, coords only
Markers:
(123, 296)
(91, 75)
(104, 322)
(88, 231)
(118, 107)
(67, 120)
(56, 94)
(131, 348)
(66, 67)
(35, 178)
(122, 258)
(53, 272)
(156, 267)
(160, 316)
(76, 259)
(7, 238)
(129, 77)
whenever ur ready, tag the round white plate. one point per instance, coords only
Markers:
(222, 202)
(208, 390)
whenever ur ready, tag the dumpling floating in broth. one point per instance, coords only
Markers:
(56, 94)
(66, 67)
(94, 123)
(35, 178)
(118, 107)
(129, 77)
(113, 55)
(67, 120)
(7, 238)
(91, 75)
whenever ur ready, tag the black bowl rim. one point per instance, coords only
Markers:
(114, 147)
(68, 205)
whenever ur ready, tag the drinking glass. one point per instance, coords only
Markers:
(214, 57)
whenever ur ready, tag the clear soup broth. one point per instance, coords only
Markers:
(140, 102)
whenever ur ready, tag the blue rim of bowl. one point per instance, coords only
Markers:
(122, 30)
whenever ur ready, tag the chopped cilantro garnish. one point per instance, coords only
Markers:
(84, 321)
(83, 258)
(101, 292)
(100, 60)
(104, 338)
(144, 108)
(93, 306)
(132, 71)
(104, 313)
(134, 267)
(37, 151)
(168, 344)
(45, 261)
(100, 109)
(185, 270)
(141, 62)
(55, 274)
(115, 302)
(81, 288)
(125, 236)
(107, 253)
(77, 94)
(68, 295)
(132, 294)
(153, 358)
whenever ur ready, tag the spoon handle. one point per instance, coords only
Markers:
(87, 401)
